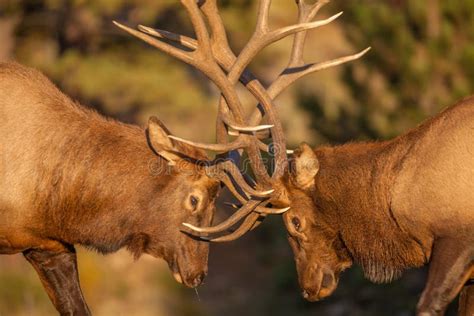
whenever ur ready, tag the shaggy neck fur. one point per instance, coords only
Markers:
(353, 191)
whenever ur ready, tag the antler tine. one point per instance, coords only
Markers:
(248, 207)
(219, 41)
(231, 221)
(247, 224)
(185, 41)
(244, 140)
(166, 48)
(263, 16)
(201, 58)
(232, 169)
(226, 58)
(296, 68)
(306, 12)
(263, 211)
(288, 77)
(217, 46)
(261, 38)
(219, 148)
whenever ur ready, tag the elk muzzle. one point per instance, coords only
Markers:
(317, 283)
(189, 277)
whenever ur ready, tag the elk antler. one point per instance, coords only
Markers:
(295, 70)
(211, 53)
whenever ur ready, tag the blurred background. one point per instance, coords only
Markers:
(422, 61)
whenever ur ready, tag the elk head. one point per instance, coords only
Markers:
(319, 252)
(188, 196)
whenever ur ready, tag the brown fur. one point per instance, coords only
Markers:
(389, 206)
(70, 176)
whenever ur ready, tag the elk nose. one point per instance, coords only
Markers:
(328, 285)
(199, 279)
(305, 294)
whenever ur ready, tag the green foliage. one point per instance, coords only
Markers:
(422, 61)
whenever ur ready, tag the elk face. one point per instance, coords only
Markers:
(192, 200)
(188, 196)
(319, 253)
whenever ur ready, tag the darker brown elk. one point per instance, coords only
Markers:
(70, 176)
(388, 206)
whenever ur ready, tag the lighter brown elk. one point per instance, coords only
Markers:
(72, 177)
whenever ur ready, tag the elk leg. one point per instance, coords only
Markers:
(450, 268)
(58, 273)
(466, 300)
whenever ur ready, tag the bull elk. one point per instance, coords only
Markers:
(387, 206)
(72, 177)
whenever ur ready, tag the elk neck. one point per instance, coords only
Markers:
(97, 183)
(353, 193)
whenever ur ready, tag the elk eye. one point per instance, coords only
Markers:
(194, 201)
(296, 223)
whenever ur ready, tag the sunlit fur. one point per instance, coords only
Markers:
(70, 176)
(393, 205)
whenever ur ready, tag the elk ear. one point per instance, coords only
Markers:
(304, 165)
(160, 142)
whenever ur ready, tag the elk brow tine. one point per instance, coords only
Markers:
(220, 148)
(238, 127)
(249, 128)
(271, 211)
(239, 232)
(228, 223)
